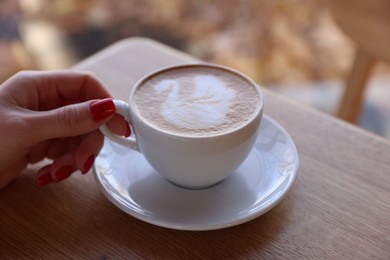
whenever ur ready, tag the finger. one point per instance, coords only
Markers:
(60, 146)
(62, 167)
(71, 120)
(42, 91)
(56, 148)
(38, 152)
(86, 152)
(119, 125)
(43, 176)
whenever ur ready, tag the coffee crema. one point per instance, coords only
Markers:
(196, 101)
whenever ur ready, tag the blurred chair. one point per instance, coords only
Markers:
(367, 23)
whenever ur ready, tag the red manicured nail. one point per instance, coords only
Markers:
(102, 109)
(88, 164)
(44, 179)
(63, 173)
(128, 130)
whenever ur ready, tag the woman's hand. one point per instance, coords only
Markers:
(53, 115)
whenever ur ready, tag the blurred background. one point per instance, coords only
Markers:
(290, 46)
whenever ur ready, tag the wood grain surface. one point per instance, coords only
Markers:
(339, 207)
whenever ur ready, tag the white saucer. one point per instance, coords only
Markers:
(260, 183)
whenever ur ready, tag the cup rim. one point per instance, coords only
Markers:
(156, 72)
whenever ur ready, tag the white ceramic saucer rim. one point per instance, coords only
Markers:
(267, 203)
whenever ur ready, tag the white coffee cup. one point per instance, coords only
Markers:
(189, 161)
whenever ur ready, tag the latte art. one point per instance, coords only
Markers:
(196, 101)
(206, 107)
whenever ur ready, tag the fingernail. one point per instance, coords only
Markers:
(45, 179)
(128, 130)
(102, 109)
(88, 164)
(63, 173)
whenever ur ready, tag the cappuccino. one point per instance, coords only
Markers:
(197, 101)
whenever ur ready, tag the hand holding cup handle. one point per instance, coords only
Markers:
(122, 108)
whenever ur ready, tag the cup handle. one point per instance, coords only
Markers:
(122, 108)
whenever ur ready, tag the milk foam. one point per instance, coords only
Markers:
(207, 105)
(196, 101)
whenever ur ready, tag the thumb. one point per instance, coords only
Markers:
(73, 120)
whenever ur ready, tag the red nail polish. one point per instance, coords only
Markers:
(63, 173)
(88, 164)
(102, 109)
(44, 179)
(128, 130)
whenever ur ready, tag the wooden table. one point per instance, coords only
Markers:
(339, 207)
